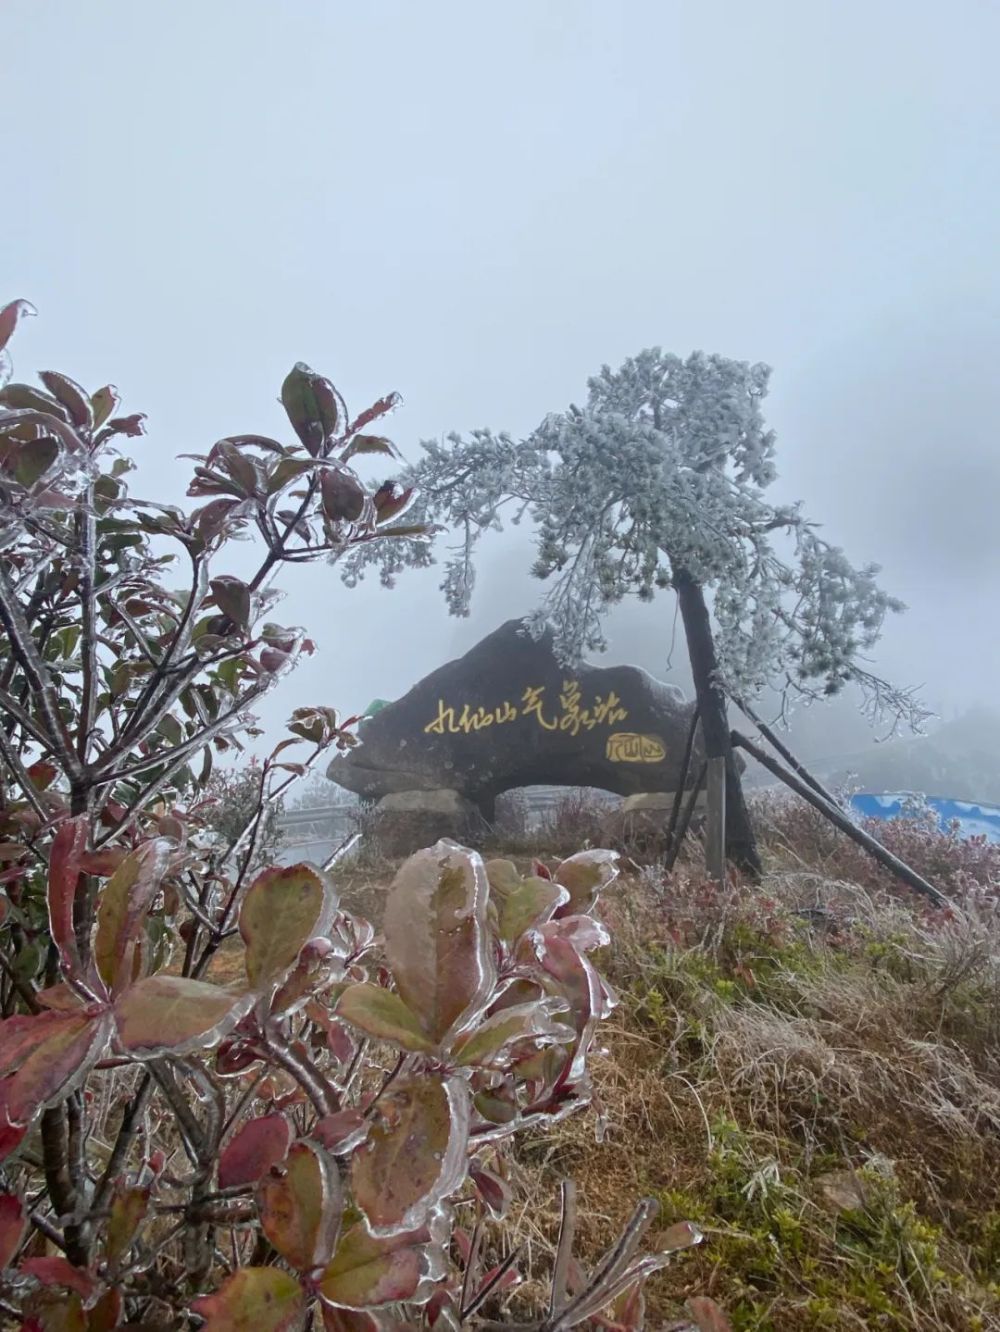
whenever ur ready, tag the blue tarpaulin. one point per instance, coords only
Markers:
(973, 819)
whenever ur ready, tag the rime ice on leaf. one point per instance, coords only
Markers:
(436, 939)
(414, 1156)
(263, 1299)
(282, 910)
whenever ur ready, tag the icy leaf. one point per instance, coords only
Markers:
(43, 1058)
(232, 596)
(59, 1272)
(13, 1224)
(367, 1272)
(103, 403)
(128, 1209)
(253, 1150)
(312, 405)
(494, 1191)
(382, 1014)
(343, 495)
(371, 444)
(414, 1155)
(300, 1206)
(71, 395)
(533, 902)
(65, 864)
(436, 939)
(283, 908)
(253, 1299)
(584, 876)
(340, 1133)
(533, 1021)
(175, 1014)
(56, 1312)
(106, 1314)
(123, 904)
(59, 998)
(9, 316)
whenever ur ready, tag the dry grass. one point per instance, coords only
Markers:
(762, 1073)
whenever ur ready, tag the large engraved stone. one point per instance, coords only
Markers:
(508, 715)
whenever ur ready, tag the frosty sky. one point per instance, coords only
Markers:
(479, 204)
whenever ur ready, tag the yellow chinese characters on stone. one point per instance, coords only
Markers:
(464, 719)
(627, 747)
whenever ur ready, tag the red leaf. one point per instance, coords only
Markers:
(174, 1013)
(253, 1150)
(59, 1272)
(13, 1224)
(377, 409)
(414, 1155)
(133, 425)
(124, 902)
(65, 867)
(46, 1056)
(300, 1205)
(340, 1133)
(9, 316)
(71, 395)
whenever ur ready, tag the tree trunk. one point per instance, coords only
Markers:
(741, 843)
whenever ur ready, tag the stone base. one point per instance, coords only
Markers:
(640, 823)
(407, 821)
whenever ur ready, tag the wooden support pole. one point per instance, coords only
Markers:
(715, 825)
(776, 743)
(840, 820)
(675, 812)
(673, 851)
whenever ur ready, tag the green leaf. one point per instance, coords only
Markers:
(25, 397)
(382, 1014)
(103, 403)
(415, 1154)
(584, 876)
(436, 939)
(532, 1021)
(128, 1210)
(367, 1272)
(175, 1014)
(35, 459)
(313, 406)
(535, 902)
(232, 596)
(283, 908)
(253, 1299)
(285, 471)
(300, 1205)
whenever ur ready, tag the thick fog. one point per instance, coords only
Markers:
(479, 205)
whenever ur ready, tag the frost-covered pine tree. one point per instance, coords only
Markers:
(660, 483)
